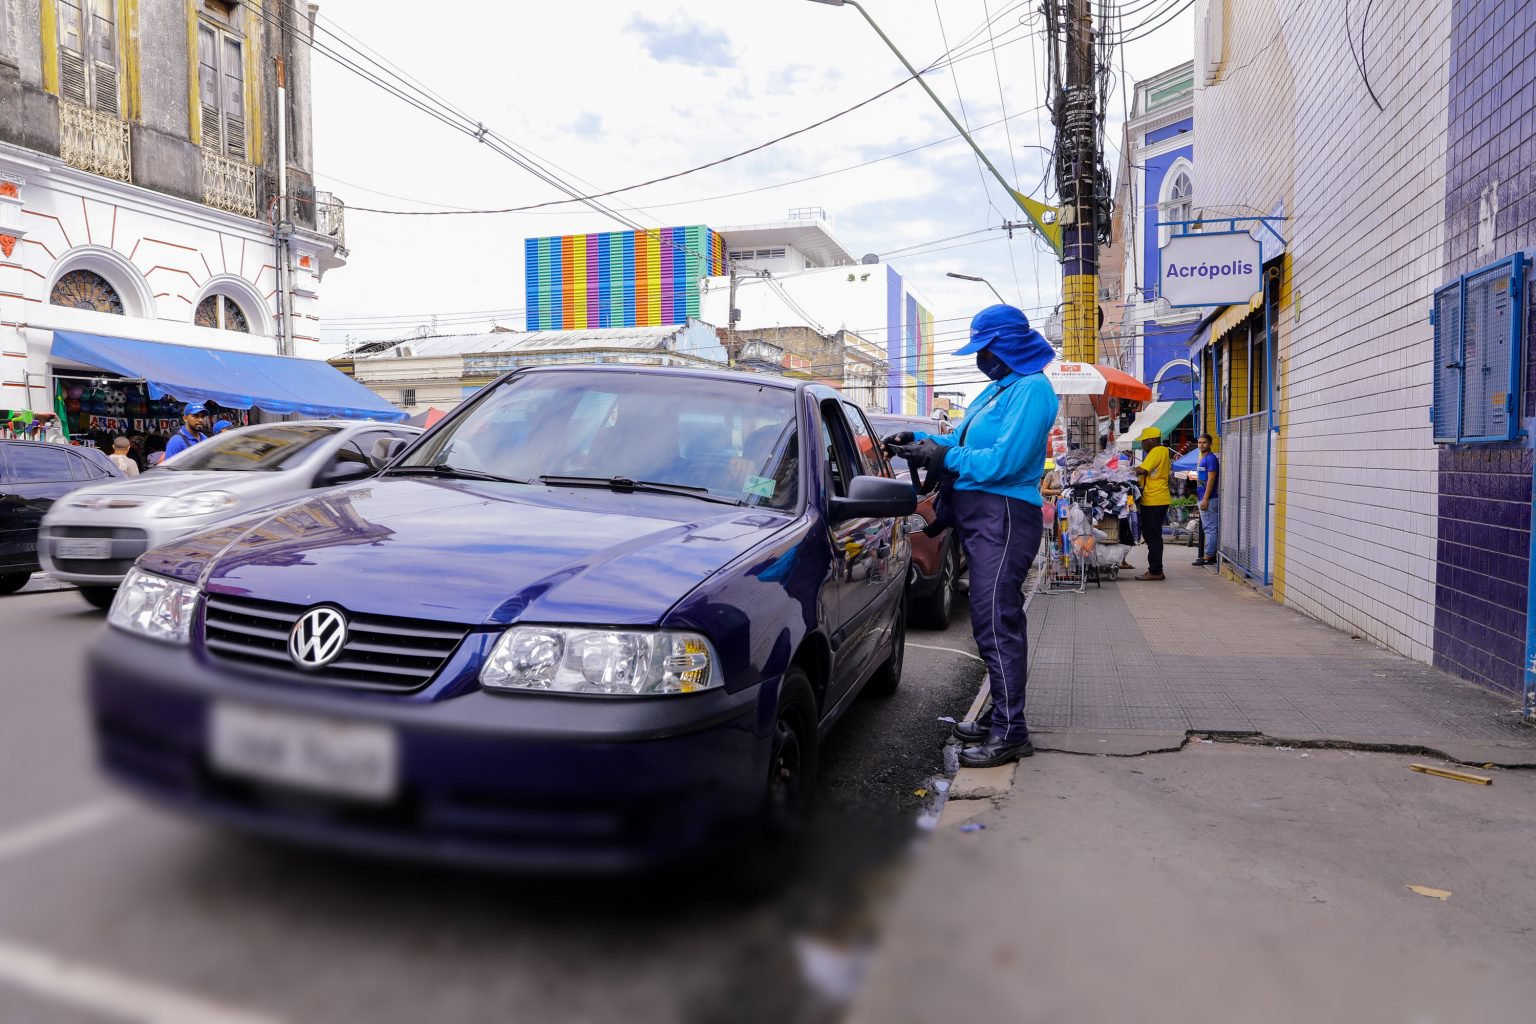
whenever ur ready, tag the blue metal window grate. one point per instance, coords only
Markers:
(1478, 331)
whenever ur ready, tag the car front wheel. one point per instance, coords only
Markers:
(13, 581)
(888, 676)
(934, 611)
(99, 597)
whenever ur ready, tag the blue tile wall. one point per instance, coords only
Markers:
(1483, 542)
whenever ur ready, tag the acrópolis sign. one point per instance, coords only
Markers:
(1210, 269)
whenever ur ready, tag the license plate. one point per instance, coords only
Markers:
(76, 547)
(338, 758)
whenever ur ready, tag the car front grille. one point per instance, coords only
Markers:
(381, 652)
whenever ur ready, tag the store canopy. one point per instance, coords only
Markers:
(234, 380)
(1165, 416)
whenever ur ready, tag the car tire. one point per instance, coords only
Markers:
(935, 610)
(99, 597)
(887, 677)
(766, 854)
(13, 581)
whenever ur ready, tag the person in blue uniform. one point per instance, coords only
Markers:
(996, 459)
(194, 421)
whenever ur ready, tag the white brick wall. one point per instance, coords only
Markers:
(1290, 121)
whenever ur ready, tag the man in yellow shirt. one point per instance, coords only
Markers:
(1153, 475)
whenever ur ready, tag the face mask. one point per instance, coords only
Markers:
(993, 367)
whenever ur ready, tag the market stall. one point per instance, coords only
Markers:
(1096, 516)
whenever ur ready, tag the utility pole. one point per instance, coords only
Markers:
(1079, 193)
(732, 314)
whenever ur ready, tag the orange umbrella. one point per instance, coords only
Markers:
(1084, 387)
(426, 419)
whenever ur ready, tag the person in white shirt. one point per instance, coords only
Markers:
(120, 459)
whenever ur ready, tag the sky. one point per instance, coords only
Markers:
(613, 94)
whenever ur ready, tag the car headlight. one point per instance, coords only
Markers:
(556, 660)
(154, 606)
(200, 504)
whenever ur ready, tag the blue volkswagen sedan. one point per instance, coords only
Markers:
(595, 619)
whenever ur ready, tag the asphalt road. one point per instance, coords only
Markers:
(110, 910)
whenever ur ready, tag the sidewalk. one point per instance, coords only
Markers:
(1258, 877)
(1139, 665)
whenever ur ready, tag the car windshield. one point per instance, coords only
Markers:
(261, 448)
(727, 440)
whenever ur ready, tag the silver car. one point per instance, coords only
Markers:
(92, 536)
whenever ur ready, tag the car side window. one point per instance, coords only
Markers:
(363, 444)
(84, 469)
(840, 469)
(351, 452)
(871, 461)
(36, 464)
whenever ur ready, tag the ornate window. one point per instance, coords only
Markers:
(88, 54)
(221, 85)
(1181, 198)
(222, 312)
(86, 289)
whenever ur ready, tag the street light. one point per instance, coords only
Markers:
(958, 277)
(1041, 216)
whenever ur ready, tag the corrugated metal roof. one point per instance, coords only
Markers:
(633, 338)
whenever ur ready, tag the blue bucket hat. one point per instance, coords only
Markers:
(194, 409)
(1005, 330)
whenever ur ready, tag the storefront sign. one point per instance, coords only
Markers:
(1210, 269)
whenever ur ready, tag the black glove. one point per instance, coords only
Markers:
(926, 453)
(899, 439)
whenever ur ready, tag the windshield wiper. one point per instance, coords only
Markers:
(450, 472)
(624, 485)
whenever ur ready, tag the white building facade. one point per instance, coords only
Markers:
(138, 193)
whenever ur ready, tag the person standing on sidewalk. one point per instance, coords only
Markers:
(1209, 494)
(194, 426)
(1153, 474)
(996, 460)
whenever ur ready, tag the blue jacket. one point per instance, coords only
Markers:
(181, 441)
(1006, 429)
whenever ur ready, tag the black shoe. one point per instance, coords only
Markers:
(993, 753)
(972, 732)
(1203, 561)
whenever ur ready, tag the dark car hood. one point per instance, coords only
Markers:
(473, 553)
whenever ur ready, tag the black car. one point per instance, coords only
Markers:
(33, 475)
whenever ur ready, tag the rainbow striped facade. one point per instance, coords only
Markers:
(619, 278)
(909, 350)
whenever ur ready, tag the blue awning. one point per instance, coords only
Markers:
(233, 380)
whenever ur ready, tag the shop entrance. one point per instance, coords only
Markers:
(93, 409)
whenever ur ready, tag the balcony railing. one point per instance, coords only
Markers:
(330, 217)
(94, 141)
(229, 184)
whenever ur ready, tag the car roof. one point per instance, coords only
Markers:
(44, 444)
(701, 373)
(906, 421)
(339, 424)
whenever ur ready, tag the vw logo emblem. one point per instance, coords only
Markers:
(317, 638)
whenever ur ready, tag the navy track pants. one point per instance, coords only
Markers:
(1001, 537)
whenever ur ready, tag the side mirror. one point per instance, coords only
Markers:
(875, 497)
(344, 473)
(385, 449)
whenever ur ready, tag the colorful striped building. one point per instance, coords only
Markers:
(619, 278)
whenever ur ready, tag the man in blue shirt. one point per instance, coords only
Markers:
(194, 421)
(996, 459)
(1208, 492)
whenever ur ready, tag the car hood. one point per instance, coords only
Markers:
(164, 483)
(472, 553)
